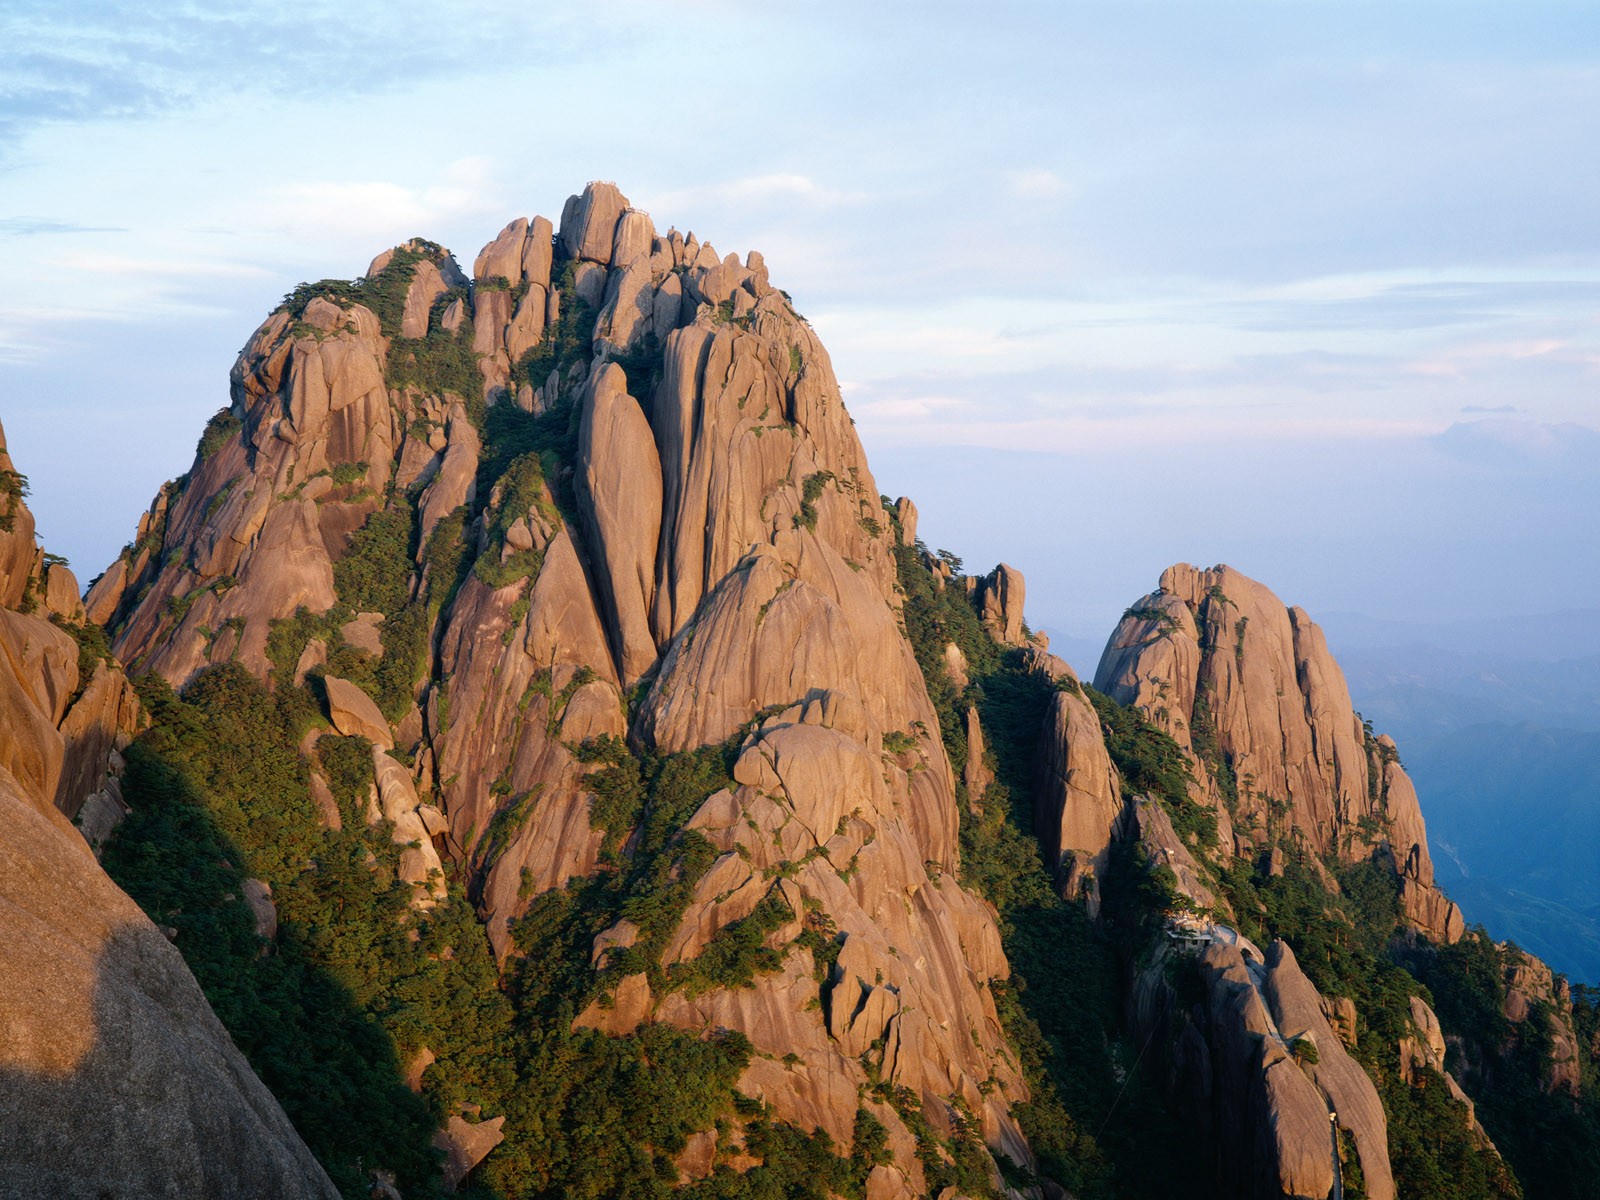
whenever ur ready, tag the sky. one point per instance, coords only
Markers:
(1312, 289)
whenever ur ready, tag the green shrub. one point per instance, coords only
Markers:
(13, 487)
(219, 431)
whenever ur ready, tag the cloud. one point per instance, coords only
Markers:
(1510, 442)
(375, 208)
(1143, 431)
(1489, 408)
(1071, 409)
(35, 226)
(1039, 183)
(77, 60)
(775, 189)
(162, 268)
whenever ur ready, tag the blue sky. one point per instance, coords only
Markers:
(1313, 289)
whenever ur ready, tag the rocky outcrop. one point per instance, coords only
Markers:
(31, 581)
(1149, 825)
(905, 515)
(1248, 687)
(1270, 1122)
(1533, 990)
(17, 550)
(667, 535)
(115, 1076)
(1079, 797)
(466, 1144)
(1351, 1096)
(1423, 1051)
(1000, 596)
(1273, 1080)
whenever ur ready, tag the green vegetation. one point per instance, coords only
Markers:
(1095, 1110)
(1150, 763)
(1503, 1066)
(344, 996)
(810, 493)
(384, 294)
(374, 573)
(520, 490)
(219, 431)
(13, 487)
(564, 343)
(643, 366)
(94, 647)
(439, 363)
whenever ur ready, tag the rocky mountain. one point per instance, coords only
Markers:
(116, 1078)
(670, 540)
(1248, 688)
(566, 775)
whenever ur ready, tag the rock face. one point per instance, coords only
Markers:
(1424, 1051)
(1000, 599)
(1249, 688)
(1079, 799)
(115, 1076)
(1260, 712)
(1276, 1108)
(1531, 986)
(686, 546)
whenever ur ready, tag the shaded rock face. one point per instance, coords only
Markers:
(115, 1076)
(1269, 1106)
(690, 548)
(1248, 687)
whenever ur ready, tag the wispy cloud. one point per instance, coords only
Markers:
(1038, 183)
(37, 226)
(86, 59)
(1071, 433)
(377, 208)
(787, 189)
(158, 268)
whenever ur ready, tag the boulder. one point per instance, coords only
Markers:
(354, 713)
(1000, 598)
(465, 1145)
